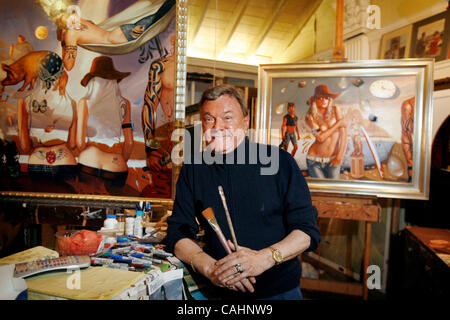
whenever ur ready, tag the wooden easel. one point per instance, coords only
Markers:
(346, 208)
(342, 207)
(339, 49)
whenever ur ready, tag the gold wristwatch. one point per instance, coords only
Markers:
(276, 255)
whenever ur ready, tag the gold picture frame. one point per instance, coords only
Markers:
(376, 123)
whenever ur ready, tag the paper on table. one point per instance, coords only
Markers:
(28, 255)
(94, 283)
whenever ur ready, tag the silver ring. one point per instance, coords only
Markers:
(239, 268)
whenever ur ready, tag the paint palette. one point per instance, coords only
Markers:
(38, 266)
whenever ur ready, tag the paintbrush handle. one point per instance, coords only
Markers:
(227, 213)
(223, 241)
(220, 235)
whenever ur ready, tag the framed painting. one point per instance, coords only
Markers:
(361, 127)
(396, 44)
(430, 37)
(91, 92)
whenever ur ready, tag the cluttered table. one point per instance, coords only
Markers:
(112, 274)
(121, 261)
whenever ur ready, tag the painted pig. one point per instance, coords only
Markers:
(43, 64)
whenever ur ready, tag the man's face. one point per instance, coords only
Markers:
(322, 102)
(224, 124)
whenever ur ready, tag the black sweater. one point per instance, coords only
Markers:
(264, 209)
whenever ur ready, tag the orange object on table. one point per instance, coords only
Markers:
(72, 242)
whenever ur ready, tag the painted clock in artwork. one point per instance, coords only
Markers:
(383, 89)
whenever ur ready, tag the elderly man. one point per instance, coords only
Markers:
(273, 217)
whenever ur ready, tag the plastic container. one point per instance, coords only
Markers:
(138, 224)
(129, 226)
(110, 222)
(75, 242)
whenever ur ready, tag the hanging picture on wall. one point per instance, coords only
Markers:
(354, 127)
(88, 97)
(430, 37)
(396, 44)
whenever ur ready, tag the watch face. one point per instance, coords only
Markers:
(277, 256)
(383, 89)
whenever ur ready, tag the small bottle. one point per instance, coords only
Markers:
(120, 224)
(129, 222)
(138, 224)
(110, 222)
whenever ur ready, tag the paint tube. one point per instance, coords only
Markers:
(117, 257)
(121, 250)
(141, 254)
(101, 261)
(162, 253)
(145, 263)
(122, 266)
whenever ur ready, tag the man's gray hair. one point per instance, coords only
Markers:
(215, 93)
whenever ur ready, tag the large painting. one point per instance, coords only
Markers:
(88, 96)
(355, 127)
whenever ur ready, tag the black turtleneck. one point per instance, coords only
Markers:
(264, 209)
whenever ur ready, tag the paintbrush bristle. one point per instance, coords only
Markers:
(208, 213)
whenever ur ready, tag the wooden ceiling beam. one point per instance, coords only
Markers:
(310, 10)
(204, 4)
(265, 28)
(236, 18)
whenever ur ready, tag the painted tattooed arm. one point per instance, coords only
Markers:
(81, 124)
(342, 136)
(407, 123)
(69, 48)
(127, 132)
(151, 100)
(71, 138)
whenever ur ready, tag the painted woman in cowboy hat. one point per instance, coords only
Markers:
(103, 116)
(327, 123)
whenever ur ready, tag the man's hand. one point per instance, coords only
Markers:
(253, 263)
(208, 268)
